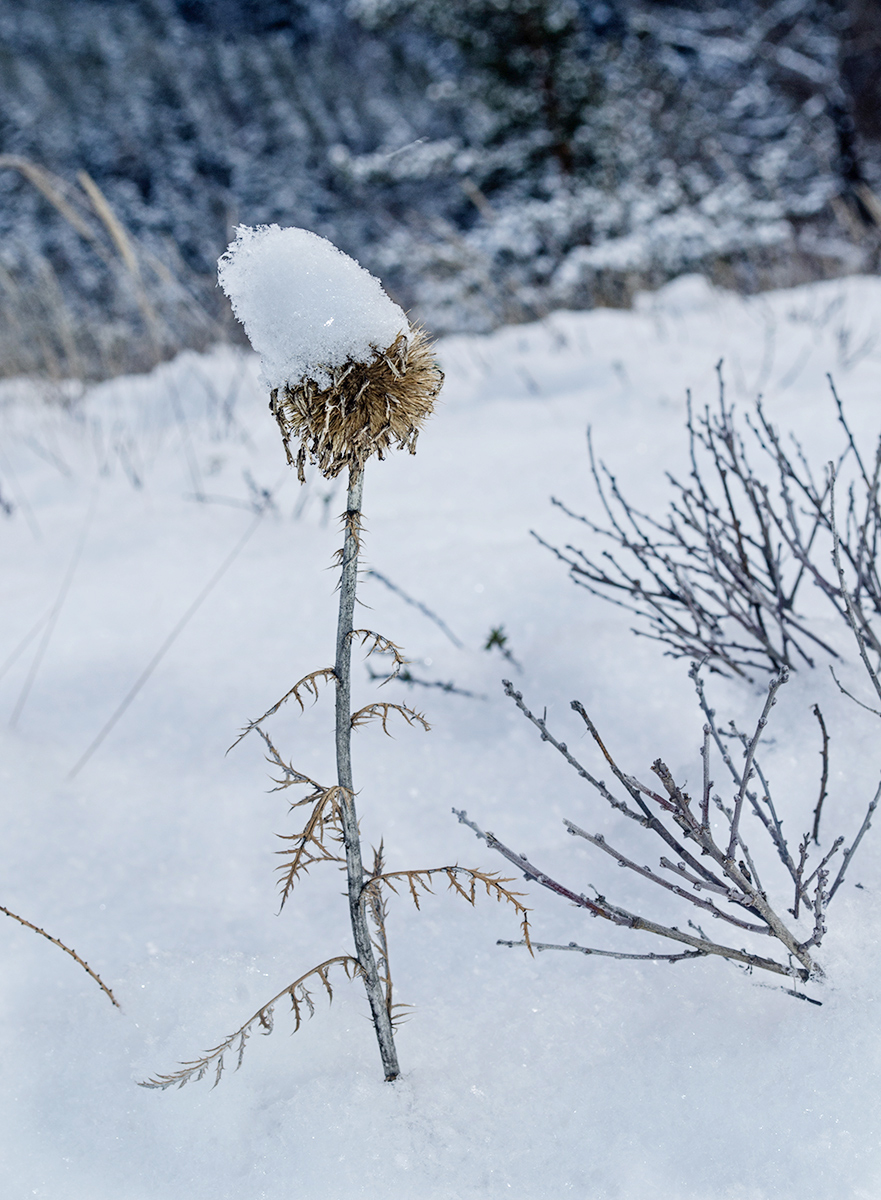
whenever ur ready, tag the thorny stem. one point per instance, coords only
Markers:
(351, 836)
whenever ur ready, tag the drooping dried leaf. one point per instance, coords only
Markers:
(495, 884)
(370, 711)
(300, 998)
(309, 847)
(381, 645)
(309, 684)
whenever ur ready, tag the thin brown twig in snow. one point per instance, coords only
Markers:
(67, 950)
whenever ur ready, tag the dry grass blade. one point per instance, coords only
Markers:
(301, 999)
(363, 715)
(67, 950)
(494, 884)
(381, 645)
(325, 816)
(309, 684)
(53, 188)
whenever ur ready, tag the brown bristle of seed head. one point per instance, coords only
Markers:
(367, 408)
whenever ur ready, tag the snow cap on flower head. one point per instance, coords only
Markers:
(347, 374)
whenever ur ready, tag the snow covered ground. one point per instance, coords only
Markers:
(561, 1075)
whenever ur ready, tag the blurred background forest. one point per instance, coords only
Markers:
(491, 160)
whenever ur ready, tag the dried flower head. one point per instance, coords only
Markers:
(348, 375)
(367, 408)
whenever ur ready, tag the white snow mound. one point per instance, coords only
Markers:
(304, 304)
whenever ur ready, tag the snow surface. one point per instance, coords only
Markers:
(528, 1078)
(305, 305)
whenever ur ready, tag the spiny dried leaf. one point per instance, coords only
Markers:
(367, 408)
(325, 815)
(381, 645)
(291, 775)
(377, 909)
(363, 715)
(300, 998)
(494, 884)
(309, 684)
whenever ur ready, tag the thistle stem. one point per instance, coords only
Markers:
(351, 835)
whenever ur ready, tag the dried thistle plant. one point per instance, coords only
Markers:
(341, 412)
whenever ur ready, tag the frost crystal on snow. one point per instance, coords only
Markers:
(305, 305)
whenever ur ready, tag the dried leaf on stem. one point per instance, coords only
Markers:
(381, 711)
(263, 1020)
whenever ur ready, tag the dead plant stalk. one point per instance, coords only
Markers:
(348, 816)
(367, 408)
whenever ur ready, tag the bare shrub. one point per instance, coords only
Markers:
(708, 861)
(719, 578)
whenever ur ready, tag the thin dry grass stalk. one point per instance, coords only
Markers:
(367, 408)
(67, 950)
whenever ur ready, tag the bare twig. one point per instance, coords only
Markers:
(815, 833)
(406, 676)
(848, 854)
(393, 587)
(724, 871)
(67, 950)
(620, 916)
(771, 700)
(611, 953)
